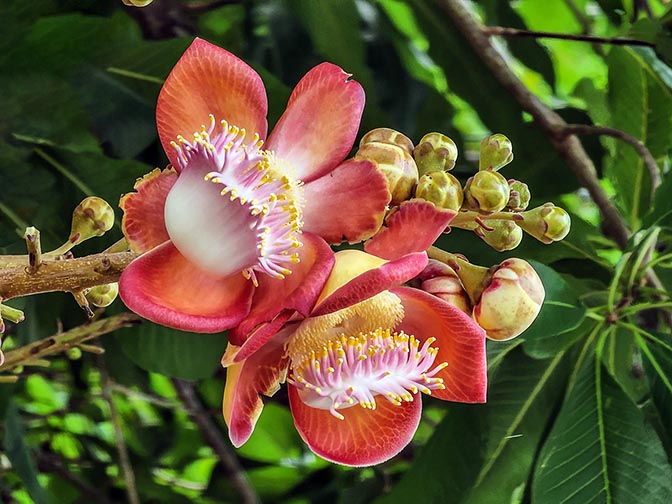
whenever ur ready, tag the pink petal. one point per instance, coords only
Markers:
(320, 124)
(143, 224)
(357, 276)
(348, 204)
(461, 343)
(365, 437)
(162, 286)
(260, 374)
(209, 80)
(421, 219)
(297, 292)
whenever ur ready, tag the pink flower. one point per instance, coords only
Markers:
(238, 212)
(355, 367)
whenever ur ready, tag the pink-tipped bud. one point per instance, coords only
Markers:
(441, 280)
(442, 189)
(496, 152)
(435, 152)
(396, 164)
(503, 234)
(486, 191)
(92, 217)
(511, 301)
(519, 195)
(546, 223)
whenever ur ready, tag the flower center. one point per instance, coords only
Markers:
(234, 207)
(351, 370)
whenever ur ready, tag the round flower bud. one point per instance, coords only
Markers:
(511, 301)
(505, 235)
(496, 152)
(73, 353)
(389, 136)
(137, 3)
(486, 191)
(440, 188)
(519, 195)
(92, 217)
(396, 164)
(441, 280)
(546, 223)
(435, 152)
(103, 295)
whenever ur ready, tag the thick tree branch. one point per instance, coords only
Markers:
(60, 274)
(549, 122)
(635, 143)
(213, 436)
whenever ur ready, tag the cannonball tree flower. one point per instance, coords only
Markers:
(238, 211)
(355, 367)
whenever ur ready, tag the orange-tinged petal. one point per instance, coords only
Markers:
(417, 218)
(262, 373)
(296, 292)
(365, 437)
(357, 276)
(164, 287)
(460, 341)
(209, 80)
(320, 124)
(143, 224)
(347, 204)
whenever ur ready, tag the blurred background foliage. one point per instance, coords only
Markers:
(579, 407)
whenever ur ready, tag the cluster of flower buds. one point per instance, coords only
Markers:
(504, 299)
(488, 204)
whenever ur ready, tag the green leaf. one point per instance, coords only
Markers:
(170, 352)
(20, 457)
(561, 312)
(601, 450)
(522, 396)
(641, 105)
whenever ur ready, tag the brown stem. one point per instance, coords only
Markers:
(69, 339)
(122, 450)
(634, 142)
(515, 32)
(214, 438)
(548, 121)
(70, 275)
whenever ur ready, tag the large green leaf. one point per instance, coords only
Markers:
(601, 449)
(561, 312)
(173, 353)
(522, 395)
(633, 86)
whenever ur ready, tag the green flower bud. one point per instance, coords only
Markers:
(546, 223)
(496, 152)
(396, 164)
(103, 295)
(137, 3)
(511, 301)
(435, 152)
(505, 234)
(440, 188)
(92, 217)
(486, 191)
(390, 136)
(441, 280)
(74, 353)
(519, 195)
